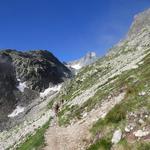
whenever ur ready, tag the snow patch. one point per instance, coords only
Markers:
(116, 136)
(48, 90)
(16, 112)
(76, 66)
(21, 86)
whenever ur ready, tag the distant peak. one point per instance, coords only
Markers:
(141, 21)
(89, 58)
(91, 54)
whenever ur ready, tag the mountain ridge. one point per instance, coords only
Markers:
(23, 75)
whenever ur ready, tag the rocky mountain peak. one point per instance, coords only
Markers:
(90, 55)
(38, 68)
(141, 22)
(89, 58)
(138, 36)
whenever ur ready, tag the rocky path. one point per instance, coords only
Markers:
(77, 135)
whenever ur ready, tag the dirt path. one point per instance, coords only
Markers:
(70, 138)
(76, 136)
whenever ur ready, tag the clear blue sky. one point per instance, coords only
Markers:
(68, 28)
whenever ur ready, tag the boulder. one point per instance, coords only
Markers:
(116, 136)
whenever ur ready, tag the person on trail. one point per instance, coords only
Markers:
(56, 108)
(62, 102)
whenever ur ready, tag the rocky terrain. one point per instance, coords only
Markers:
(105, 106)
(7, 83)
(38, 68)
(23, 75)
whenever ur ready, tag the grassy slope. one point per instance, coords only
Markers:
(135, 80)
(36, 141)
(86, 78)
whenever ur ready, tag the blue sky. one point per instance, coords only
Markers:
(68, 28)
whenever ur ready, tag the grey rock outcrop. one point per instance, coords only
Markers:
(141, 22)
(23, 75)
(7, 85)
(38, 68)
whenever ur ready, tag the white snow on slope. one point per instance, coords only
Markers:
(21, 86)
(54, 89)
(16, 112)
(76, 66)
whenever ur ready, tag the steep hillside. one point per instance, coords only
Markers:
(23, 75)
(110, 98)
(38, 68)
(105, 106)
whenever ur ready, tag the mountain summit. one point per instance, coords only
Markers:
(89, 58)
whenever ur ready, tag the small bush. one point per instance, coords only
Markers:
(144, 146)
(98, 126)
(117, 114)
(50, 104)
(102, 144)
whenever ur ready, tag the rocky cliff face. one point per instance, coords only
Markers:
(141, 22)
(23, 75)
(7, 85)
(39, 69)
(138, 36)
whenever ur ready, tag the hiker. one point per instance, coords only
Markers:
(56, 108)
(62, 102)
